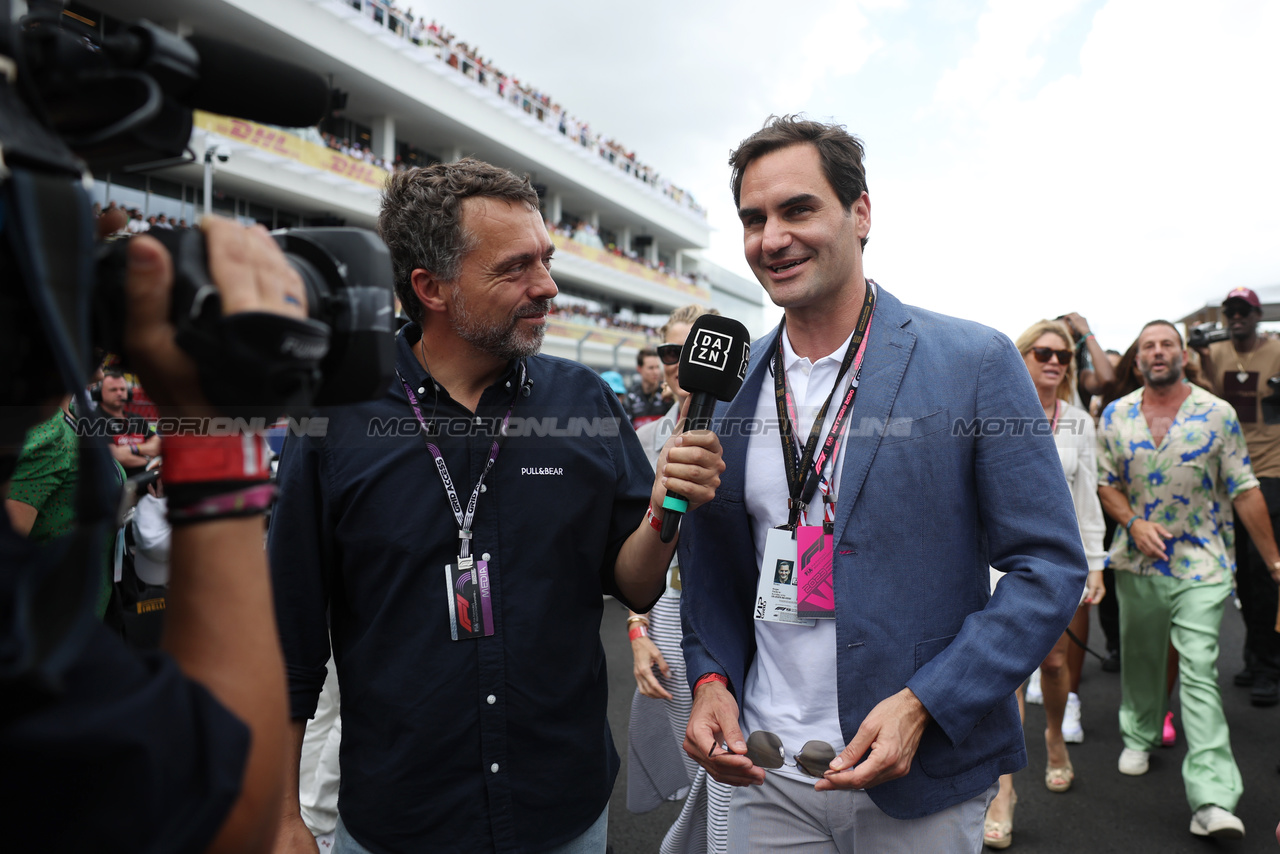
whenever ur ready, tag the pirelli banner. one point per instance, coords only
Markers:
(287, 145)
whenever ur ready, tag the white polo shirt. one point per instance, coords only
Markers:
(791, 687)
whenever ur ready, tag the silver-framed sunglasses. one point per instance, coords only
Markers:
(765, 750)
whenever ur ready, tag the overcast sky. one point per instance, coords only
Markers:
(1025, 158)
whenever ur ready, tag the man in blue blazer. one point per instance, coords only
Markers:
(930, 461)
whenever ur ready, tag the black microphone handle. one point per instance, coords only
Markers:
(702, 405)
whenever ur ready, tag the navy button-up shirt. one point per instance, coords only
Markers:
(499, 743)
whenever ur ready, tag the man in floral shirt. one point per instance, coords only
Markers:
(1172, 467)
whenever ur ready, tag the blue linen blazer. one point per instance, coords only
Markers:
(949, 467)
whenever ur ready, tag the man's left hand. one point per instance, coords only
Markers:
(891, 732)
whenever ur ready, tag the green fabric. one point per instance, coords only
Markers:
(46, 478)
(1186, 484)
(1155, 610)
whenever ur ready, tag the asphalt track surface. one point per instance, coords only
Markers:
(1104, 811)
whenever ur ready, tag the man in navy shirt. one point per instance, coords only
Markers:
(452, 543)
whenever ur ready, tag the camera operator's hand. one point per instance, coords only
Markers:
(251, 274)
(220, 625)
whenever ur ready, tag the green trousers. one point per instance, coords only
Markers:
(1154, 610)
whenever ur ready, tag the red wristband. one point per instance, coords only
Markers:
(637, 630)
(207, 459)
(711, 677)
(654, 521)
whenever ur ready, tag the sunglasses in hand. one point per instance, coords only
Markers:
(765, 750)
(1043, 354)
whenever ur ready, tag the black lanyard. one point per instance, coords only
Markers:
(464, 518)
(800, 486)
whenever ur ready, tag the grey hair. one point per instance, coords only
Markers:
(421, 218)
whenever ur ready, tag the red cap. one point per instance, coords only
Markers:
(1243, 294)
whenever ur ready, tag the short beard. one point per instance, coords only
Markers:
(502, 341)
(1175, 374)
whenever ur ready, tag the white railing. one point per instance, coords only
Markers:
(530, 101)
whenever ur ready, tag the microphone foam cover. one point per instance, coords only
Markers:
(236, 81)
(715, 355)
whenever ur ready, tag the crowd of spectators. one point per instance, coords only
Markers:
(471, 63)
(588, 235)
(360, 152)
(586, 314)
(137, 221)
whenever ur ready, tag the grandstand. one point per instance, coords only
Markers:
(629, 242)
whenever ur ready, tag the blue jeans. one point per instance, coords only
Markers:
(593, 841)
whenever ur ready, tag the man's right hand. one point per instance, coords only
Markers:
(713, 722)
(1149, 537)
(295, 837)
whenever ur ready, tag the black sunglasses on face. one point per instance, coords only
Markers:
(669, 354)
(1237, 311)
(1044, 354)
(765, 750)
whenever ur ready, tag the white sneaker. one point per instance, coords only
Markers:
(1072, 732)
(1134, 762)
(1212, 820)
(1034, 695)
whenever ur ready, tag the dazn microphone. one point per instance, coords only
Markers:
(713, 364)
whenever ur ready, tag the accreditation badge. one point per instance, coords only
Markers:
(469, 598)
(776, 589)
(816, 596)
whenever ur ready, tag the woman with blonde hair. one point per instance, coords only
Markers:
(1046, 349)
(658, 769)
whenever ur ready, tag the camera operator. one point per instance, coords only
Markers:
(172, 751)
(1237, 370)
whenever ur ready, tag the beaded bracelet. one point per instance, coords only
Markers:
(226, 505)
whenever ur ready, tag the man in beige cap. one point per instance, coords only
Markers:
(1238, 371)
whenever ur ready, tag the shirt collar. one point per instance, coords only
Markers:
(790, 359)
(411, 369)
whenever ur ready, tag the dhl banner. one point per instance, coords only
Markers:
(626, 265)
(292, 147)
(559, 327)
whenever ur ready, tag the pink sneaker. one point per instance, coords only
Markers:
(1170, 734)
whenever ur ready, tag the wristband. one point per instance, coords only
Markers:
(711, 677)
(199, 469)
(133, 447)
(241, 458)
(188, 458)
(1129, 524)
(654, 521)
(637, 630)
(227, 505)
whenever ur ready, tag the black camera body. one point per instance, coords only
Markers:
(1204, 334)
(72, 100)
(265, 365)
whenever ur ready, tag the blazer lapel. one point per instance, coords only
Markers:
(889, 347)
